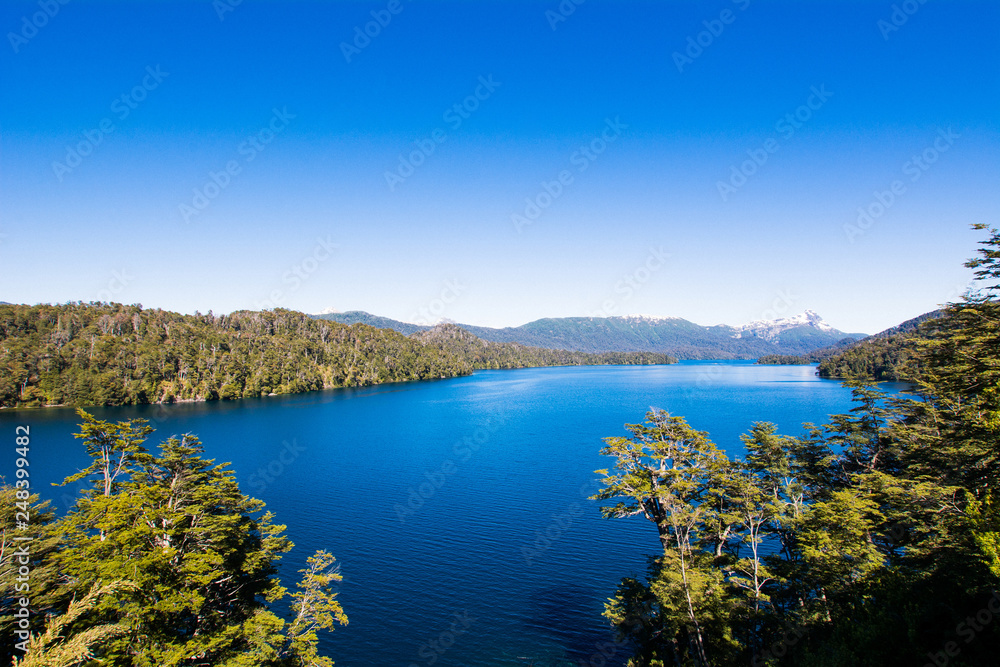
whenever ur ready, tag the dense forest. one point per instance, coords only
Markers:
(872, 540)
(889, 355)
(112, 354)
(454, 340)
(786, 359)
(878, 359)
(883, 356)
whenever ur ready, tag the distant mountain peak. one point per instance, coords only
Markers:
(770, 329)
(797, 334)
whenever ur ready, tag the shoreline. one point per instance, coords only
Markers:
(353, 386)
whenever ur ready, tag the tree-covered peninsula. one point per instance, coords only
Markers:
(112, 354)
(785, 360)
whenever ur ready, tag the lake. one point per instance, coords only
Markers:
(458, 508)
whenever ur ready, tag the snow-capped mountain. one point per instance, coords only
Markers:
(643, 333)
(771, 329)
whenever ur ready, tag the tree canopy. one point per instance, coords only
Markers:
(164, 561)
(873, 540)
(112, 354)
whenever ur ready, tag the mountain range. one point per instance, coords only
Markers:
(675, 336)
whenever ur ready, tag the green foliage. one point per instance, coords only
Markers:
(111, 354)
(883, 524)
(361, 317)
(453, 340)
(194, 558)
(874, 359)
(672, 475)
(41, 543)
(987, 265)
(985, 518)
(786, 360)
(200, 552)
(316, 608)
(54, 649)
(889, 355)
(116, 450)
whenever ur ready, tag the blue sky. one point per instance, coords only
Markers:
(493, 163)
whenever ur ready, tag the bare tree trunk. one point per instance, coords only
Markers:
(699, 641)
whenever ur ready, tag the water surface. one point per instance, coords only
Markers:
(458, 508)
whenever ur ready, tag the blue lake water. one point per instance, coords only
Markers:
(458, 508)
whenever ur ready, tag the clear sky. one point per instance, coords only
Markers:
(496, 162)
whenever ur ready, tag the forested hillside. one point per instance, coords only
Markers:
(454, 340)
(632, 333)
(888, 355)
(111, 354)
